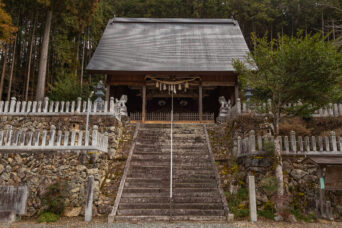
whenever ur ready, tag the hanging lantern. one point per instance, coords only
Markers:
(179, 86)
(160, 86)
(157, 84)
(174, 89)
(164, 87)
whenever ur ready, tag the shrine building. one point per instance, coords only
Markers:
(157, 61)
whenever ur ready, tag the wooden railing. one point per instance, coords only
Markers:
(52, 108)
(290, 145)
(21, 140)
(160, 116)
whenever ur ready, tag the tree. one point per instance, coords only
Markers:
(288, 70)
(6, 26)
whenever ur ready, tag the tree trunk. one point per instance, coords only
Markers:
(12, 69)
(82, 65)
(43, 59)
(279, 167)
(30, 60)
(3, 72)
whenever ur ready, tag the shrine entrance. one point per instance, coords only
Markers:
(195, 99)
(163, 95)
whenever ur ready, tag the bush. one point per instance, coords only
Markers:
(238, 203)
(47, 217)
(269, 185)
(53, 200)
(267, 211)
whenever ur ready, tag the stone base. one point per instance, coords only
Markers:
(7, 216)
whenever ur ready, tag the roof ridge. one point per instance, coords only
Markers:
(174, 20)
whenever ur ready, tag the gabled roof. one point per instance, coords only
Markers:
(142, 44)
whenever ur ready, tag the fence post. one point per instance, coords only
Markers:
(313, 143)
(52, 135)
(94, 135)
(12, 105)
(17, 109)
(252, 141)
(252, 199)
(1, 106)
(330, 110)
(238, 146)
(340, 143)
(79, 102)
(327, 144)
(340, 109)
(89, 200)
(293, 141)
(333, 141)
(46, 104)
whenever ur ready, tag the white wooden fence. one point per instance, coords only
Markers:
(21, 140)
(51, 108)
(290, 145)
(240, 108)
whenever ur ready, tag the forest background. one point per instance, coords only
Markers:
(74, 28)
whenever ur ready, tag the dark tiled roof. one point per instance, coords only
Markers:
(143, 44)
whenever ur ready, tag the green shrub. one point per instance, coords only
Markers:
(269, 185)
(238, 203)
(53, 200)
(268, 210)
(47, 217)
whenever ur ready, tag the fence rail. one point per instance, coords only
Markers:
(290, 145)
(21, 140)
(240, 108)
(48, 108)
(160, 116)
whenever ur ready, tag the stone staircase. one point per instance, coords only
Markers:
(146, 186)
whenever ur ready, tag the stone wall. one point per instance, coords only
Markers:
(39, 170)
(300, 179)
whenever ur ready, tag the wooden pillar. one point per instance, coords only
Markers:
(143, 114)
(107, 92)
(200, 102)
(236, 87)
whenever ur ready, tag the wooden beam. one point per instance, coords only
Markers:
(200, 102)
(143, 103)
(213, 83)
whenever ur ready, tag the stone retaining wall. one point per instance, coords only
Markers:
(38, 170)
(300, 178)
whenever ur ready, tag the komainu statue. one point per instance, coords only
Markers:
(122, 105)
(224, 109)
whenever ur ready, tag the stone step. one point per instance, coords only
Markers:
(175, 167)
(194, 151)
(176, 172)
(167, 190)
(166, 194)
(206, 206)
(175, 175)
(167, 144)
(166, 199)
(165, 212)
(168, 156)
(165, 184)
(167, 163)
(170, 219)
(176, 160)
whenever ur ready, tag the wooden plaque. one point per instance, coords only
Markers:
(333, 178)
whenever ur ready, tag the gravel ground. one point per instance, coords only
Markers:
(101, 223)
